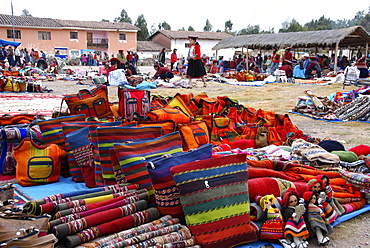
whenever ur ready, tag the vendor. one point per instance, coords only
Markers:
(361, 66)
(162, 72)
(313, 69)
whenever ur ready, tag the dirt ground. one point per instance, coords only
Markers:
(281, 98)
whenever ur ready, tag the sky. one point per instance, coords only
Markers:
(268, 13)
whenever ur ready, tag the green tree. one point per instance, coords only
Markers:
(104, 20)
(164, 25)
(228, 26)
(182, 29)
(321, 24)
(25, 12)
(123, 17)
(292, 26)
(141, 23)
(249, 30)
(190, 28)
(208, 26)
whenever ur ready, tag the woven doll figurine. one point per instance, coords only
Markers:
(318, 225)
(295, 229)
(273, 225)
(330, 195)
(318, 185)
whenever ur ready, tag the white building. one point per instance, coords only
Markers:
(170, 40)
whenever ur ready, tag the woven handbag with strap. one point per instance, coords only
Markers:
(93, 102)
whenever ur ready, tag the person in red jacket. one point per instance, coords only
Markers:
(288, 56)
(195, 66)
(173, 59)
(275, 58)
(162, 72)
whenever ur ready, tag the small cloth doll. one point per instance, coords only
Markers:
(330, 195)
(273, 225)
(295, 230)
(318, 225)
(318, 185)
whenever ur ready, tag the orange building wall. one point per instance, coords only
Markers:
(61, 38)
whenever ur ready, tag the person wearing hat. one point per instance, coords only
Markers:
(275, 60)
(313, 69)
(122, 58)
(361, 66)
(288, 57)
(195, 66)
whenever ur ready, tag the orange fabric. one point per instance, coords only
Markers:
(37, 164)
(194, 135)
(164, 114)
(168, 126)
(261, 164)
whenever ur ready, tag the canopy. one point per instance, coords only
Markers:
(9, 43)
(346, 37)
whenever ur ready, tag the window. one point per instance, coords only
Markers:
(73, 35)
(44, 35)
(187, 45)
(122, 36)
(17, 34)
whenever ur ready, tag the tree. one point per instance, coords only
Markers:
(228, 26)
(208, 26)
(164, 25)
(292, 26)
(190, 28)
(123, 17)
(25, 12)
(250, 30)
(182, 29)
(104, 20)
(141, 23)
(321, 24)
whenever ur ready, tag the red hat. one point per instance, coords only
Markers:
(361, 59)
(312, 182)
(308, 195)
(120, 51)
(116, 60)
(289, 192)
(193, 37)
(288, 48)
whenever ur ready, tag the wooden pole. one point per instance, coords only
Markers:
(336, 57)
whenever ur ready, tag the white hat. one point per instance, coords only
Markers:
(306, 55)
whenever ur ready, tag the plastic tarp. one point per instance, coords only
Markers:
(9, 43)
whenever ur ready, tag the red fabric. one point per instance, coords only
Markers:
(268, 164)
(254, 172)
(361, 150)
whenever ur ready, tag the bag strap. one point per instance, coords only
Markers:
(79, 94)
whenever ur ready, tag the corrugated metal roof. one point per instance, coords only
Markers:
(346, 37)
(30, 21)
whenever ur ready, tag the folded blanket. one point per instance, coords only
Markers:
(354, 206)
(254, 172)
(276, 186)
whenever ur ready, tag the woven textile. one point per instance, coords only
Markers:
(133, 157)
(114, 226)
(69, 128)
(194, 134)
(215, 200)
(108, 136)
(37, 164)
(133, 101)
(62, 230)
(52, 132)
(94, 208)
(147, 227)
(167, 194)
(168, 126)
